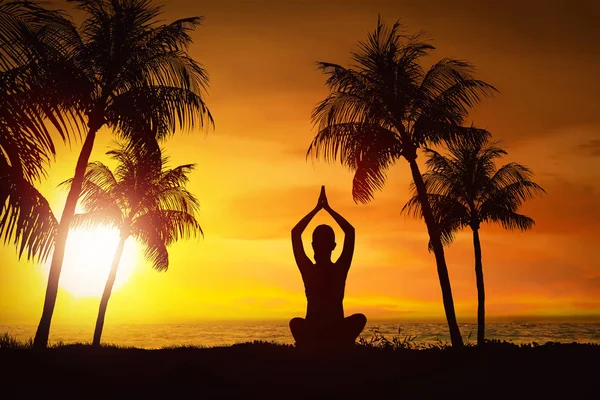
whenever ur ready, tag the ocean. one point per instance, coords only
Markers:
(151, 336)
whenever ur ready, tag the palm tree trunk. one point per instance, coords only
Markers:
(43, 330)
(480, 290)
(438, 251)
(107, 291)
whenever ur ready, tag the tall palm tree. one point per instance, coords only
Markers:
(142, 199)
(465, 190)
(34, 94)
(387, 106)
(140, 82)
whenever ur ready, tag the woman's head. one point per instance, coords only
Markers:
(323, 241)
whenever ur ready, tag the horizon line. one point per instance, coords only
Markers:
(590, 318)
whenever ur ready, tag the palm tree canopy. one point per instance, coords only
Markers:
(141, 81)
(386, 105)
(142, 198)
(34, 86)
(466, 189)
(34, 91)
(120, 67)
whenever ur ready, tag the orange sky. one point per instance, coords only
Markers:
(254, 183)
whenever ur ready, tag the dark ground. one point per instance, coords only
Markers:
(264, 370)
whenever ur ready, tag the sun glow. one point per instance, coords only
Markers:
(88, 258)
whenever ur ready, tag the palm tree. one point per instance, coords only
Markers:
(33, 93)
(140, 82)
(142, 199)
(386, 107)
(465, 190)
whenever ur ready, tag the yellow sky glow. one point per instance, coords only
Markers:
(254, 183)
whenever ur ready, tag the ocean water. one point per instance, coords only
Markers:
(226, 333)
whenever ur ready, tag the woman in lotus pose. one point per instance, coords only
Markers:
(324, 283)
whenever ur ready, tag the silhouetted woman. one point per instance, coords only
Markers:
(324, 283)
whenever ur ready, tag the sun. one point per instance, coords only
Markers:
(88, 258)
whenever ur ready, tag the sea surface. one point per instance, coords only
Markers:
(226, 333)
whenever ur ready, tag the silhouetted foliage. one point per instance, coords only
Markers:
(386, 107)
(465, 189)
(139, 81)
(34, 93)
(142, 199)
(268, 371)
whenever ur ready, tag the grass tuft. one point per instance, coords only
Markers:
(378, 341)
(9, 342)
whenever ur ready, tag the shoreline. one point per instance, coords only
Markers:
(156, 336)
(505, 319)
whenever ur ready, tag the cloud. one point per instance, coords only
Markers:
(591, 147)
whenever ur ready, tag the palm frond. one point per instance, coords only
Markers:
(101, 175)
(453, 102)
(155, 249)
(157, 111)
(508, 174)
(370, 176)
(163, 67)
(383, 40)
(441, 184)
(174, 198)
(444, 74)
(171, 225)
(509, 198)
(349, 143)
(171, 36)
(109, 216)
(99, 191)
(446, 94)
(353, 98)
(449, 214)
(176, 177)
(508, 219)
(25, 217)
(389, 59)
(429, 133)
(366, 149)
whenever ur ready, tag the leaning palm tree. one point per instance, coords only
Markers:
(386, 107)
(465, 190)
(142, 199)
(35, 95)
(140, 82)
